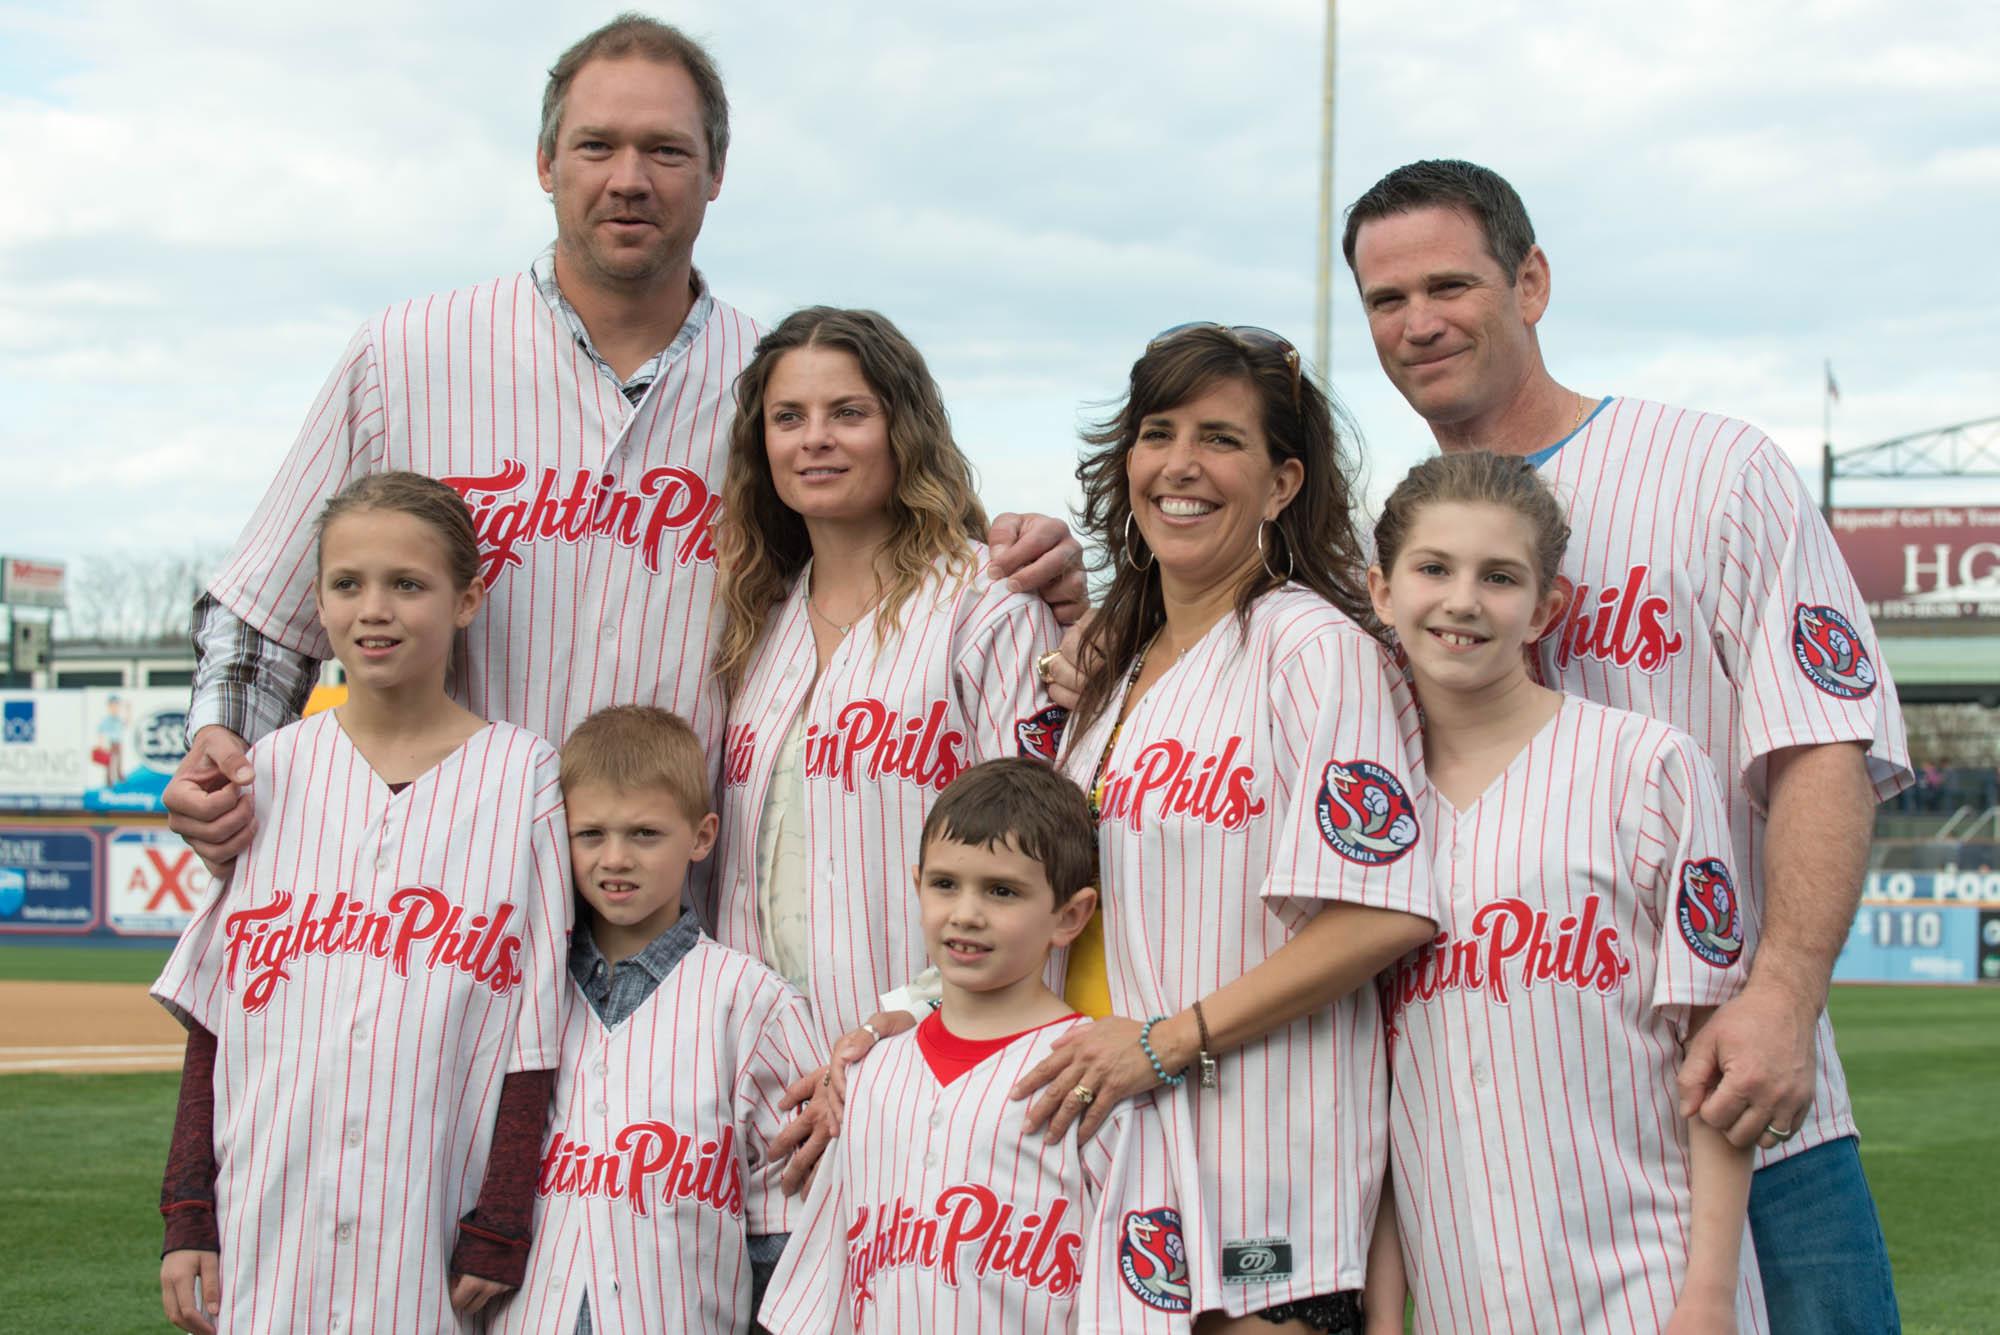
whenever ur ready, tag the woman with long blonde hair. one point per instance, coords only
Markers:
(867, 655)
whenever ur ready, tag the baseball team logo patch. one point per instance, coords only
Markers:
(1152, 1259)
(1364, 814)
(1829, 652)
(1711, 920)
(1040, 734)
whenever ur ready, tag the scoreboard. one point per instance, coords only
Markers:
(1924, 927)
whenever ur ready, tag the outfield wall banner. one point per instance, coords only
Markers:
(1924, 927)
(48, 880)
(153, 883)
(90, 750)
(1926, 563)
(44, 763)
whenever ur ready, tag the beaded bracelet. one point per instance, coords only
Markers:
(1146, 1046)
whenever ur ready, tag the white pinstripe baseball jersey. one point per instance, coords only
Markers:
(934, 1211)
(375, 967)
(887, 727)
(594, 514)
(1709, 594)
(1266, 772)
(654, 1171)
(1585, 901)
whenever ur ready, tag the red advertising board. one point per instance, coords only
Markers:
(1924, 563)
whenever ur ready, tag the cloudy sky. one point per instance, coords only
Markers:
(205, 197)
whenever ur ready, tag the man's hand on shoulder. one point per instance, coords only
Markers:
(208, 800)
(1038, 554)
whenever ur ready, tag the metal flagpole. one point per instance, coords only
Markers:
(1323, 306)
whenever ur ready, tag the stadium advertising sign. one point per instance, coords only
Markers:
(43, 761)
(25, 582)
(1925, 927)
(153, 883)
(94, 750)
(1926, 563)
(48, 880)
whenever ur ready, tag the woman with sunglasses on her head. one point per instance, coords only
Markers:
(867, 655)
(1248, 748)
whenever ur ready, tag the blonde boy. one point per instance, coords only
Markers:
(658, 1208)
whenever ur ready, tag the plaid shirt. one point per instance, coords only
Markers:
(254, 686)
(614, 991)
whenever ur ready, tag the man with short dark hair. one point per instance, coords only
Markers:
(581, 407)
(1706, 591)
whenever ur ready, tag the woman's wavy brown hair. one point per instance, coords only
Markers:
(1313, 537)
(761, 543)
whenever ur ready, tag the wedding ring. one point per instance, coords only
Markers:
(1780, 1136)
(1044, 665)
(1082, 1095)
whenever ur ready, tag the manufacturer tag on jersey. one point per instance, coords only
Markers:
(1256, 1260)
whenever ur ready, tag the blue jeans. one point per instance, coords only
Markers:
(1819, 1245)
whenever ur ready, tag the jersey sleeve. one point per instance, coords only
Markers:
(194, 985)
(1687, 876)
(1135, 1261)
(782, 1046)
(267, 580)
(1000, 693)
(546, 926)
(808, 1292)
(1795, 633)
(1347, 750)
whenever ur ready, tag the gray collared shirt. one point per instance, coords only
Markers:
(635, 386)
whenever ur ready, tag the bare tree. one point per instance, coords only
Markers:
(135, 597)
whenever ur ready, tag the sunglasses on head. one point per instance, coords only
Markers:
(1249, 335)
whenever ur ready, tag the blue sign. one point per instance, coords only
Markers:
(48, 880)
(1924, 942)
(19, 719)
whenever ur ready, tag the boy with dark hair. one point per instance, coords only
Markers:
(934, 1210)
(658, 1207)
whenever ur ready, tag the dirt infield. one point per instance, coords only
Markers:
(85, 1027)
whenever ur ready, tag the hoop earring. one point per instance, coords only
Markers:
(1132, 545)
(1291, 562)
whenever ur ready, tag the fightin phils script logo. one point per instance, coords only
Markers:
(582, 504)
(422, 926)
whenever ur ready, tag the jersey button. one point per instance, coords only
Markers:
(600, 1109)
(610, 630)
(345, 1232)
(354, 1137)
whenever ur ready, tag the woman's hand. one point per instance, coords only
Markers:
(1104, 1058)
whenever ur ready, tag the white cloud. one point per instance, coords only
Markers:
(205, 198)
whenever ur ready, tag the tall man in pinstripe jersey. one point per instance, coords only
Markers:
(1706, 591)
(582, 408)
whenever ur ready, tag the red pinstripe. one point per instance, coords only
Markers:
(1298, 688)
(536, 657)
(969, 647)
(353, 1109)
(712, 1048)
(908, 1138)
(1576, 1168)
(1717, 514)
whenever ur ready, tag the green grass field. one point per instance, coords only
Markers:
(80, 1228)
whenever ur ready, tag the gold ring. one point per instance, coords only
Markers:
(1082, 1095)
(1043, 665)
